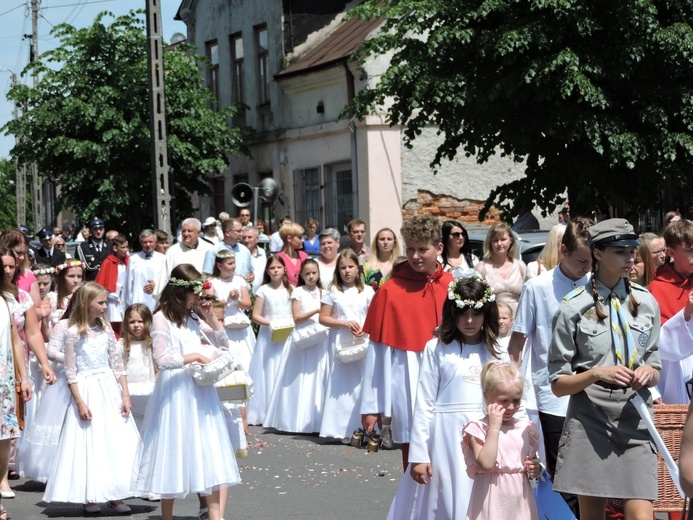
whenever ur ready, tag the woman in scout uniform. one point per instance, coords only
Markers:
(604, 351)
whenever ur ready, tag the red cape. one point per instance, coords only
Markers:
(670, 289)
(406, 310)
(108, 272)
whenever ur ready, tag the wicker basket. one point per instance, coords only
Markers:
(669, 420)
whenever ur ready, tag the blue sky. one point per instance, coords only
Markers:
(15, 21)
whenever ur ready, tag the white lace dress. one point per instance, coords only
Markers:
(297, 401)
(243, 339)
(264, 365)
(94, 458)
(185, 446)
(141, 377)
(37, 447)
(341, 412)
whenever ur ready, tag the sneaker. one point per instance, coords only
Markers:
(152, 497)
(386, 436)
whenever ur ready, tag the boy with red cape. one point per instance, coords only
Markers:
(401, 319)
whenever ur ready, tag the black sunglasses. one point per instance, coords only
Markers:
(457, 234)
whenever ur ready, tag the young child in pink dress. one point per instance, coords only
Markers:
(500, 449)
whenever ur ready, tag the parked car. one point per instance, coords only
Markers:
(530, 242)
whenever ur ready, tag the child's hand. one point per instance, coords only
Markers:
(48, 375)
(532, 467)
(125, 406)
(495, 416)
(234, 294)
(27, 391)
(354, 327)
(421, 472)
(688, 309)
(84, 412)
(203, 359)
(46, 307)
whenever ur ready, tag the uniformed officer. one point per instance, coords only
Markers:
(48, 253)
(604, 353)
(94, 250)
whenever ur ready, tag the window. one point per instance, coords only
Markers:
(218, 187)
(237, 95)
(213, 72)
(307, 194)
(261, 44)
(341, 204)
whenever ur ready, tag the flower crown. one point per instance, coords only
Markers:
(68, 264)
(488, 296)
(195, 285)
(43, 270)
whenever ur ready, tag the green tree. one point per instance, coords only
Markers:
(594, 96)
(87, 122)
(8, 195)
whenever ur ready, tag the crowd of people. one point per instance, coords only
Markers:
(480, 369)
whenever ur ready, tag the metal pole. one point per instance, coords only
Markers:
(35, 186)
(157, 119)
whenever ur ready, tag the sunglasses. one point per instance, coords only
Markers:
(457, 234)
(60, 245)
(208, 298)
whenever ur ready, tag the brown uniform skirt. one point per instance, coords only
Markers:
(605, 449)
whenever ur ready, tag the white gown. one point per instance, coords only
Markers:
(245, 337)
(297, 402)
(341, 413)
(264, 365)
(185, 447)
(448, 397)
(38, 445)
(141, 377)
(94, 458)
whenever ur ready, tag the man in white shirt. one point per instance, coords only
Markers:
(244, 217)
(258, 256)
(276, 243)
(190, 250)
(232, 235)
(143, 269)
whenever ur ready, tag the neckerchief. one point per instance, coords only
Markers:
(620, 328)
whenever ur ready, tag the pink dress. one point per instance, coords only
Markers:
(506, 491)
(293, 270)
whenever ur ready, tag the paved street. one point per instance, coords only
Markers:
(285, 476)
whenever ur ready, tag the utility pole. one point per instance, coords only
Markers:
(36, 198)
(20, 173)
(157, 118)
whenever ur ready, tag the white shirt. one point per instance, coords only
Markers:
(536, 308)
(178, 254)
(259, 261)
(140, 270)
(276, 243)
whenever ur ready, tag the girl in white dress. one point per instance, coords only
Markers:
(37, 447)
(271, 303)
(185, 446)
(136, 348)
(233, 290)
(448, 396)
(297, 401)
(344, 308)
(87, 468)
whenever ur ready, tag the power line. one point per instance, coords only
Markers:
(13, 9)
(79, 3)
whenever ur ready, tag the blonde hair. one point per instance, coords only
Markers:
(82, 297)
(497, 231)
(550, 253)
(496, 372)
(373, 261)
(291, 229)
(506, 306)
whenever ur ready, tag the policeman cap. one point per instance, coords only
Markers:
(614, 232)
(96, 222)
(44, 234)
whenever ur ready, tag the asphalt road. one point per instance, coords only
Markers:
(285, 476)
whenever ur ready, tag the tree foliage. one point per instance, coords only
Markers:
(8, 195)
(594, 96)
(87, 122)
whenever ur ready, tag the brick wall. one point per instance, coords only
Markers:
(445, 207)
